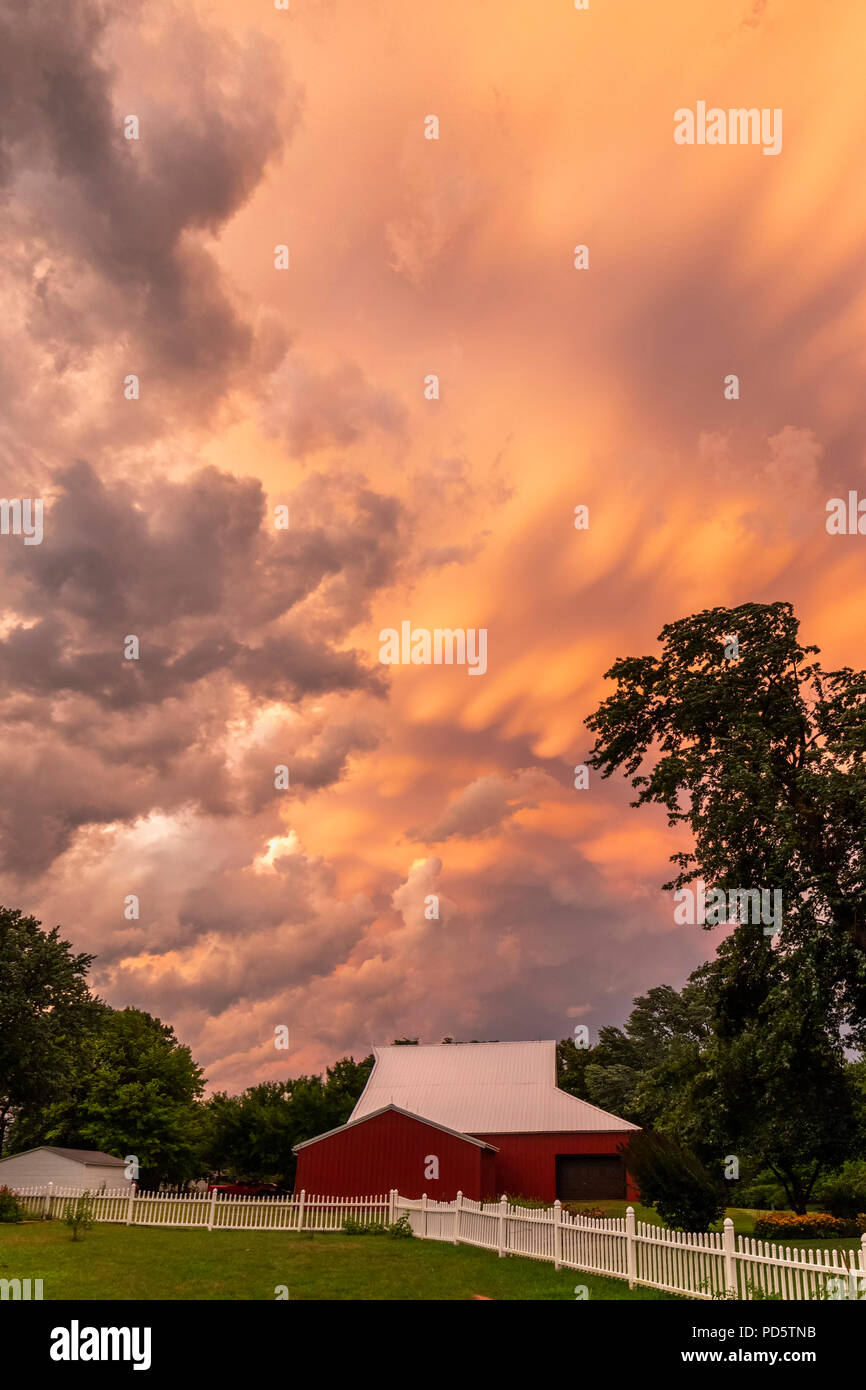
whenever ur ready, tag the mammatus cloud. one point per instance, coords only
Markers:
(487, 803)
(305, 904)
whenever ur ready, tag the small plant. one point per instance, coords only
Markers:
(401, 1229)
(752, 1291)
(11, 1209)
(362, 1228)
(79, 1215)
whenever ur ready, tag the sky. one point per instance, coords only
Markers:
(262, 388)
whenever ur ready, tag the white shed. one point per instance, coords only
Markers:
(84, 1168)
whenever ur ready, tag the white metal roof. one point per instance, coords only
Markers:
(481, 1088)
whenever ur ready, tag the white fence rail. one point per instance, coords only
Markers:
(211, 1211)
(699, 1265)
(707, 1265)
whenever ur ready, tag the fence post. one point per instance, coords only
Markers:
(129, 1202)
(458, 1201)
(630, 1247)
(730, 1261)
(424, 1217)
(503, 1211)
(557, 1234)
(392, 1206)
(301, 1209)
(211, 1209)
(46, 1203)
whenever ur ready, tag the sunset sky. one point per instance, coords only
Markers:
(260, 387)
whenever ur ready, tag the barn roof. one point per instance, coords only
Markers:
(92, 1157)
(481, 1088)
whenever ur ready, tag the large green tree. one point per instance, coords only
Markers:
(742, 736)
(132, 1091)
(251, 1136)
(774, 1083)
(45, 1009)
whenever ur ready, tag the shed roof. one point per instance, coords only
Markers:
(93, 1158)
(481, 1088)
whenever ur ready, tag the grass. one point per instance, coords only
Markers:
(119, 1262)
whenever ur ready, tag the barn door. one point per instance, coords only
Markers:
(582, 1177)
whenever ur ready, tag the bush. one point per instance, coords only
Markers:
(351, 1227)
(815, 1225)
(401, 1229)
(844, 1193)
(591, 1213)
(11, 1209)
(79, 1215)
(686, 1195)
(760, 1196)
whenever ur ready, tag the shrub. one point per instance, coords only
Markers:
(401, 1229)
(815, 1225)
(591, 1213)
(79, 1215)
(363, 1228)
(686, 1195)
(761, 1196)
(844, 1193)
(11, 1209)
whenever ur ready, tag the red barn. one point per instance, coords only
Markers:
(478, 1118)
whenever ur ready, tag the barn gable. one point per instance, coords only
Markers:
(390, 1148)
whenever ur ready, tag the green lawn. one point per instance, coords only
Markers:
(119, 1262)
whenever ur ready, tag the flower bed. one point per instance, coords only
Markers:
(815, 1225)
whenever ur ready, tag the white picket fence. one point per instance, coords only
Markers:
(210, 1211)
(699, 1265)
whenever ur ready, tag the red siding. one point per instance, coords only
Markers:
(390, 1150)
(526, 1163)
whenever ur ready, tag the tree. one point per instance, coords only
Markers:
(664, 1029)
(571, 1066)
(132, 1091)
(768, 1084)
(762, 754)
(45, 1007)
(251, 1136)
(687, 1195)
(776, 1083)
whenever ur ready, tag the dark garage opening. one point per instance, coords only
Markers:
(589, 1176)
